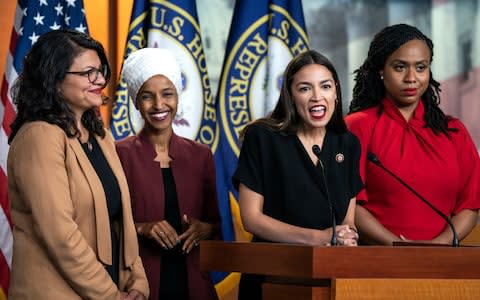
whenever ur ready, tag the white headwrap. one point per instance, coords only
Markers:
(145, 63)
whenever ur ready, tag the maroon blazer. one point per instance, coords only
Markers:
(194, 172)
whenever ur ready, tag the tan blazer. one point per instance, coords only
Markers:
(61, 226)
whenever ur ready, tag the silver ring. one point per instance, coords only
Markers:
(161, 233)
(196, 243)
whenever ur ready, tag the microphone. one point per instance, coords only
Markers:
(333, 241)
(374, 159)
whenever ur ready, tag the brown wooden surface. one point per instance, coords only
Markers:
(425, 289)
(341, 262)
(272, 291)
(473, 238)
(257, 258)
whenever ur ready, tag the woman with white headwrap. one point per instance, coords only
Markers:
(171, 181)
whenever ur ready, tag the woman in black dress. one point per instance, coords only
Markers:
(298, 172)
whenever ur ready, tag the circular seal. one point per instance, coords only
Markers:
(173, 28)
(250, 85)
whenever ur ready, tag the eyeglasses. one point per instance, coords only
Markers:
(92, 74)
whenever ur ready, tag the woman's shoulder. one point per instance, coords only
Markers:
(362, 123)
(40, 126)
(39, 130)
(458, 131)
(42, 136)
(126, 143)
(362, 118)
(261, 131)
(455, 123)
(189, 144)
(348, 139)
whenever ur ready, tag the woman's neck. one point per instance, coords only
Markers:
(83, 133)
(161, 143)
(315, 134)
(160, 139)
(310, 137)
(408, 111)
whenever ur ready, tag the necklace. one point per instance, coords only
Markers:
(88, 144)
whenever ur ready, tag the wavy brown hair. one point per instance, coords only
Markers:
(285, 118)
(36, 93)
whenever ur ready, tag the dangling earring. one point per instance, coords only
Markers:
(381, 76)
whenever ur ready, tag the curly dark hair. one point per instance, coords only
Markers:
(285, 118)
(369, 89)
(36, 94)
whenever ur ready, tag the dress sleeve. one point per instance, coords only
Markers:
(356, 184)
(468, 196)
(249, 168)
(357, 127)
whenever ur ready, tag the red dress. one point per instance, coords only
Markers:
(445, 171)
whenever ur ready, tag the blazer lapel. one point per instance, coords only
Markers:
(100, 203)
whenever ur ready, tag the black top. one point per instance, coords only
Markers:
(113, 196)
(278, 167)
(173, 267)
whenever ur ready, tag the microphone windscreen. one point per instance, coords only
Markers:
(316, 150)
(373, 158)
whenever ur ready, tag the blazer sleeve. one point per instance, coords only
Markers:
(138, 280)
(41, 172)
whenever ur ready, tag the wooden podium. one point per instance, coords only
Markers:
(366, 272)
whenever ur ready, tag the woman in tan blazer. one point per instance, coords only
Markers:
(74, 236)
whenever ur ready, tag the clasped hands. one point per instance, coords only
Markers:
(346, 235)
(133, 295)
(166, 236)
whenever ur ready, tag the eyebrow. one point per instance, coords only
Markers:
(321, 82)
(153, 92)
(406, 62)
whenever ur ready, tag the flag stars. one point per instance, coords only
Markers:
(81, 28)
(59, 9)
(55, 26)
(71, 3)
(33, 38)
(67, 20)
(24, 11)
(43, 2)
(38, 19)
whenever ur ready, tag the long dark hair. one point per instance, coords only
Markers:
(369, 89)
(36, 94)
(285, 118)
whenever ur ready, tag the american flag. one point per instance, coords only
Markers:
(32, 19)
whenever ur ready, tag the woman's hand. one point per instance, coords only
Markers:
(135, 295)
(196, 231)
(346, 235)
(162, 232)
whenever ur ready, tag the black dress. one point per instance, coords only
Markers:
(278, 167)
(113, 196)
(173, 267)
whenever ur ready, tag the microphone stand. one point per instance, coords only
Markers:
(333, 241)
(373, 158)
